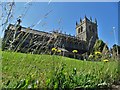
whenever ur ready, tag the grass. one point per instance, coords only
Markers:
(18, 66)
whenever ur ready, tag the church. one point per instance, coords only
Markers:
(27, 40)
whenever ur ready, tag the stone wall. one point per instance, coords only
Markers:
(26, 40)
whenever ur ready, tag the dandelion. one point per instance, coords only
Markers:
(74, 51)
(90, 56)
(105, 60)
(58, 51)
(97, 52)
(54, 49)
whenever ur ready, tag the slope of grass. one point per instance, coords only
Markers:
(18, 66)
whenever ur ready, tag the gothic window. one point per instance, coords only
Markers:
(81, 29)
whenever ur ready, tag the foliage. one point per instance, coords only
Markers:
(36, 71)
(115, 48)
(115, 51)
(96, 56)
(99, 45)
(22, 71)
(100, 51)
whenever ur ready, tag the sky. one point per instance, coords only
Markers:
(51, 16)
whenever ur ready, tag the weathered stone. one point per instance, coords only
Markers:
(27, 40)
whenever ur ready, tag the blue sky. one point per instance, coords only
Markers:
(64, 15)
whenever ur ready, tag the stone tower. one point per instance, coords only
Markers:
(86, 30)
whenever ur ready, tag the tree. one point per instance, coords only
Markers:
(115, 50)
(100, 46)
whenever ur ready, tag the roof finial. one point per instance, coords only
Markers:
(85, 18)
(76, 23)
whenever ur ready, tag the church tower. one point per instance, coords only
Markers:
(86, 30)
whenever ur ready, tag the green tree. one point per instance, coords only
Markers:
(115, 50)
(99, 46)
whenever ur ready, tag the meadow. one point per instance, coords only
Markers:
(23, 71)
(50, 71)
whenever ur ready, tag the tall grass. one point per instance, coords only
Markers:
(50, 71)
(72, 72)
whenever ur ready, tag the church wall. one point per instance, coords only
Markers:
(30, 40)
(26, 40)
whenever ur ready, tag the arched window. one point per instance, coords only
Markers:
(81, 28)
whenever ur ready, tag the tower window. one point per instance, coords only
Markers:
(81, 29)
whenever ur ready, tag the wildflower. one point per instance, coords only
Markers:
(90, 56)
(58, 51)
(74, 51)
(54, 49)
(74, 69)
(105, 60)
(97, 52)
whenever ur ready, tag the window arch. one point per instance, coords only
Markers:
(81, 28)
